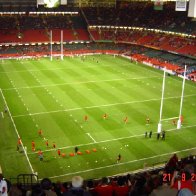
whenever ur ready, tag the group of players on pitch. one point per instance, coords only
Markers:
(105, 116)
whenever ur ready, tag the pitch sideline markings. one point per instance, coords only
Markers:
(2, 114)
(111, 140)
(85, 82)
(17, 133)
(97, 106)
(91, 137)
(124, 163)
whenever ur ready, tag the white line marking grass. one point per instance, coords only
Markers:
(123, 163)
(166, 119)
(97, 106)
(110, 140)
(17, 133)
(85, 82)
(38, 70)
(2, 114)
(91, 137)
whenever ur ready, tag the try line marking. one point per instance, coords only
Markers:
(85, 82)
(17, 134)
(110, 140)
(166, 119)
(91, 137)
(124, 163)
(97, 106)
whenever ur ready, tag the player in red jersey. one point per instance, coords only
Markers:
(40, 155)
(85, 118)
(174, 122)
(105, 116)
(125, 120)
(54, 145)
(59, 152)
(19, 141)
(40, 132)
(33, 145)
(40, 152)
(19, 144)
(181, 119)
(46, 143)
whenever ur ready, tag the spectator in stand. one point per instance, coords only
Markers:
(138, 186)
(3, 186)
(15, 190)
(104, 188)
(162, 188)
(183, 179)
(46, 186)
(36, 190)
(77, 189)
(172, 164)
(90, 187)
(122, 187)
(185, 192)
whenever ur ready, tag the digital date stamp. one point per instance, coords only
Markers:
(167, 177)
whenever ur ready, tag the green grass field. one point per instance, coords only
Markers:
(55, 96)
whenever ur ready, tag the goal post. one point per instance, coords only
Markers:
(51, 45)
(175, 120)
(179, 123)
(161, 107)
(61, 44)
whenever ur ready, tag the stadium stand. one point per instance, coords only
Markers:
(166, 42)
(158, 181)
(128, 15)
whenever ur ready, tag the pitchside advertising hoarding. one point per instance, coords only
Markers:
(51, 3)
(181, 5)
(158, 4)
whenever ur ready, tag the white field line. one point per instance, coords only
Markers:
(97, 106)
(91, 137)
(2, 114)
(123, 163)
(38, 70)
(170, 118)
(110, 140)
(33, 70)
(85, 82)
(17, 133)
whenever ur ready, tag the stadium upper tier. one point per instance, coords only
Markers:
(142, 14)
(29, 28)
(25, 29)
